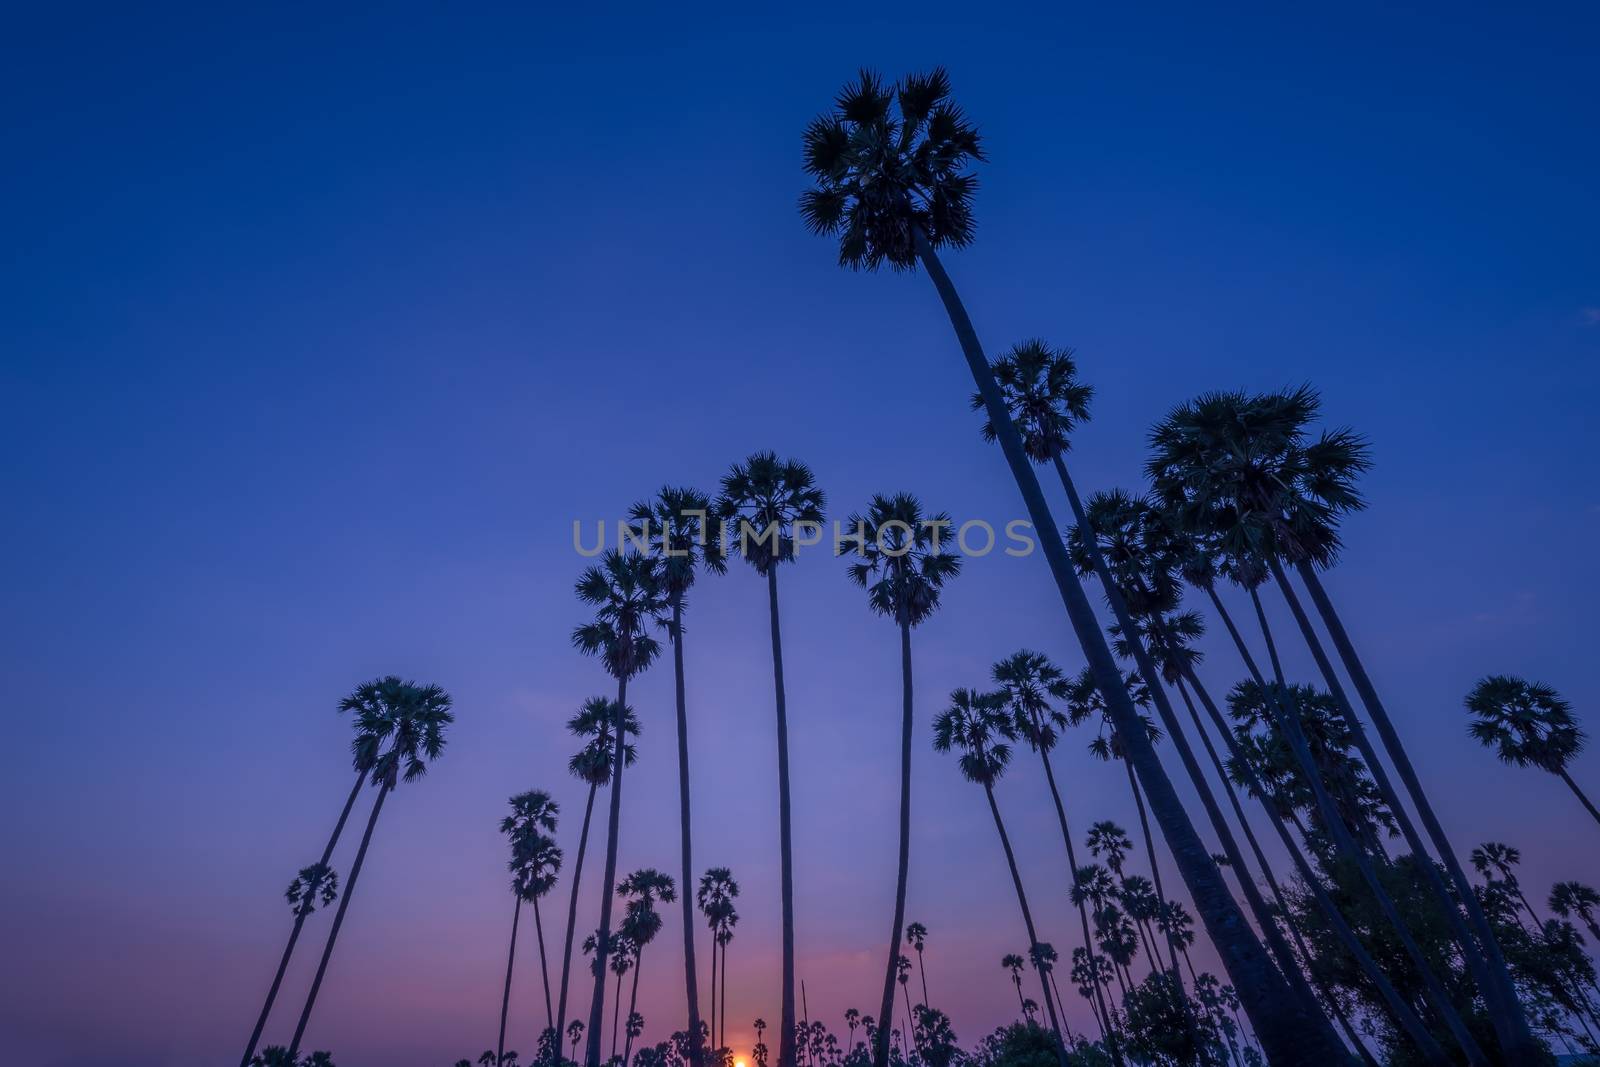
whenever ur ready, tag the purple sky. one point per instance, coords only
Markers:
(321, 331)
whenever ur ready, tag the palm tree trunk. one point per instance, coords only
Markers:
(1155, 871)
(1490, 969)
(1287, 723)
(616, 1013)
(786, 1039)
(544, 970)
(1022, 1005)
(880, 1055)
(1587, 803)
(572, 912)
(1098, 999)
(300, 921)
(1289, 1035)
(602, 950)
(505, 997)
(722, 1032)
(711, 1031)
(633, 1006)
(338, 916)
(1027, 920)
(690, 978)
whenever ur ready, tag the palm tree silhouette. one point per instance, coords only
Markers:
(900, 562)
(1014, 963)
(917, 938)
(976, 725)
(314, 884)
(364, 749)
(893, 184)
(769, 502)
(1574, 898)
(641, 924)
(621, 957)
(411, 719)
(715, 897)
(574, 1035)
(852, 1019)
(682, 531)
(626, 593)
(535, 862)
(1241, 474)
(1528, 724)
(592, 765)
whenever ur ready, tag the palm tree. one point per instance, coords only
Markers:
(852, 1019)
(364, 749)
(625, 590)
(1242, 473)
(535, 862)
(411, 719)
(715, 897)
(902, 971)
(976, 725)
(316, 883)
(621, 956)
(574, 1035)
(729, 919)
(591, 764)
(917, 938)
(903, 567)
(1574, 898)
(682, 531)
(1032, 685)
(641, 924)
(893, 184)
(1528, 724)
(768, 502)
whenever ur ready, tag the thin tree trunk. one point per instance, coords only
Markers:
(602, 950)
(690, 977)
(572, 914)
(299, 923)
(922, 972)
(633, 1006)
(880, 1054)
(616, 1014)
(1493, 974)
(338, 917)
(711, 1031)
(505, 997)
(1288, 725)
(786, 1039)
(1027, 920)
(722, 1023)
(1155, 872)
(1289, 1037)
(1587, 803)
(544, 971)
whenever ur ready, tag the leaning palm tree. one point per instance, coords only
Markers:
(1242, 474)
(917, 938)
(902, 566)
(626, 592)
(641, 924)
(680, 528)
(767, 503)
(411, 720)
(893, 183)
(1528, 724)
(715, 897)
(975, 724)
(314, 884)
(535, 862)
(1014, 963)
(1574, 898)
(364, 749)
(592, 765)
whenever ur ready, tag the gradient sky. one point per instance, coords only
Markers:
(319, 330)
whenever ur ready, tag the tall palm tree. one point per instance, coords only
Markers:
(535, 862)
(766, 503)
(917, 938)
(1033, 686)
(901, 564)
(724, 935)
(976, 725)
(410, 719)
(893, 184)
(715, 896)
(316, 883)
(625, 591)
(641, 924)
(1528, 724)
(1574, 898)
(591, 764)
(1243, 473)
(364, 749)
(681, 529)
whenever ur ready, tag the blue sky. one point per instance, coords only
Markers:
(322, 327)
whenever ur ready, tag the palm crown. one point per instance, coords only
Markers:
(1031, 684)
(682, 531)
(315, 884)
(1043, 395)
(889, 163)
(535, 857)
(976, 725)
(626, 591)
(764, 499)
(594, 722)
(1527, 723)
(643, 888)
(715, 898)
(411, 718)
(901, 562)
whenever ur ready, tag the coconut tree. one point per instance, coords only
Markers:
(976, 725)
(769, 504)
(406, 721)
(626, 592)
(364, 749)
(893, 182)
(1528, 724)
(900, 561)
(1243, 474)
(591, 765)
(641, 924)
(682, 530)
(535, 862)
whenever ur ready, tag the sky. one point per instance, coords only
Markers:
(322, 327)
